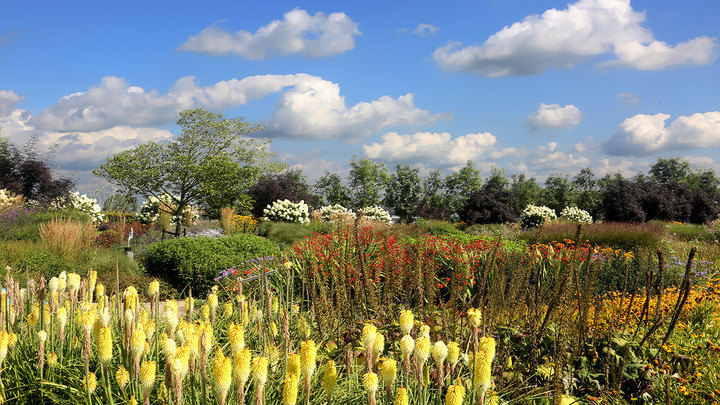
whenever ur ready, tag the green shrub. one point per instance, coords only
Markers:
(285, 233)
(437, 228)
(627, 236)
(198, 261)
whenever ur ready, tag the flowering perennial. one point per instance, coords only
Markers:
(287, 211)
(575, 214)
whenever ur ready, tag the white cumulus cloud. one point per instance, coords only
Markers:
(644, 134)
(313, 36)
(564, 38)
(425, 30)
(309, 107)
(553, 116)
(436, 148)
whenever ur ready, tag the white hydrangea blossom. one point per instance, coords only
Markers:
(534, 216)
(575, 214)
(330, 212)
(287, 211)
(81, 203)
(150, 210)
(377, 213)
(8, 199)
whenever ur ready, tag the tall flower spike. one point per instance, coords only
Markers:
(378, 347)
(407, 320)
(90, 382)
(407, 345)
(455, 395)
(293, 363)
(330, 378)
(453, 353)
(370, 382)
(388, 371)
(122, 377)
(104, 345)
(482, 374)
(147, 379)
(241, 370)
(401, 396)
(422, 353)
(290, 389)
(222, 374)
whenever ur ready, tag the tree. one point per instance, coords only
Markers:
(331, 190)
(459, 186)
(667, 170)
(525, 191)
(120, 202)
(211, 163)
(558, 193)
(367, 180)
(404, 191)
(290, 185)
(24, 171)
(587, 193)
(489, 205)
(432, 205)
(621, 199)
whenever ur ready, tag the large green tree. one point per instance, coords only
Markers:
(459, 186)
(404, 191)
(211, 163)
(367, 181)
(332, 190)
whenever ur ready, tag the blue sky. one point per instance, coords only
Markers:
(538, 87)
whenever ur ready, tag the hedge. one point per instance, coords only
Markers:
(197, 261)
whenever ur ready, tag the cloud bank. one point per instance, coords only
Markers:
(644, 134)
(312, 36)
(564, 38)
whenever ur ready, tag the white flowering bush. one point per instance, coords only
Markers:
(287, 211)
(534, 216)
(334, 212)
(81, 203)
(8, 199)
(150, 211)
(376, 213)
(575, 214)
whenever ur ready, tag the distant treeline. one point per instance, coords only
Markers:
(671, 191)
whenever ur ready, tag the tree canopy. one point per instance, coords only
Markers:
(211, 163)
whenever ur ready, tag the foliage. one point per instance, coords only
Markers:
(287, 211)
(558, 193)
(534, 216)
(613, 234)
(404, 191)
(154, 207)
(80, 203)
(437, 228)
(526, 191)
(367, 180)
(489, 205)
(460, 185)
(25, 172)
(121, 202)
(332, 191)
(284, 234)
(576, 215)
(289, 186)
(197, 261)
(211, 163)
